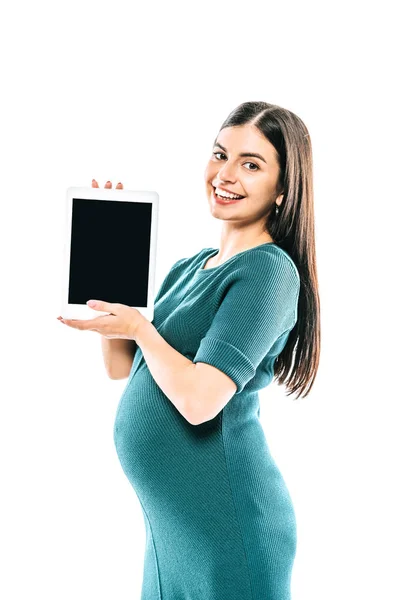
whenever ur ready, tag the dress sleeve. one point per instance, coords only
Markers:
(258, 305)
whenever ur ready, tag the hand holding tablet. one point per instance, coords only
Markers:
(121, 322)
(109, 256)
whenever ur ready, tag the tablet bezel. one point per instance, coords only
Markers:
(78, 311)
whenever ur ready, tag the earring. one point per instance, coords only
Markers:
(276, 209)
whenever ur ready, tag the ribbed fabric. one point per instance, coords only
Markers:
(220, 523)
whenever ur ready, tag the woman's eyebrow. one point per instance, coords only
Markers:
(253, 154)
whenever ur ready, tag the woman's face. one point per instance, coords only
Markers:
(254, 177)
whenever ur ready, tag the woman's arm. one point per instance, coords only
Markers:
(197, 393)
(118, 355)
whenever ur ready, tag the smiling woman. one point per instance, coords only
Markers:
(219, 518)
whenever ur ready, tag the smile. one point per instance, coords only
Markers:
(222, 200)
(224, 194)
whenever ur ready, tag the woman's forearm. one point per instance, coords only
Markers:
(118, 355)
(173, 372)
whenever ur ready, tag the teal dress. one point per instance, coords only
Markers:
(219, 519)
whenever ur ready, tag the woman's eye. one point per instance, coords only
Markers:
(246, 163)
(254, 165)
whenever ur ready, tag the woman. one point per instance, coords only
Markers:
(219, 519)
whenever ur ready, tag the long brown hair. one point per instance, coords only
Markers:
(293, 230)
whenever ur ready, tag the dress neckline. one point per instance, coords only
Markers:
(214, 251)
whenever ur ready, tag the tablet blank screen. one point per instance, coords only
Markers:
(110, 251)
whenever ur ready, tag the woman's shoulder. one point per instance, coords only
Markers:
(276, 257)
(183, 265)
(267, 260)
(192, 259)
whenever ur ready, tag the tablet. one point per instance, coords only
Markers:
(109, 250)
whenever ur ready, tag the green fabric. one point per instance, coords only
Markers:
(219, 519)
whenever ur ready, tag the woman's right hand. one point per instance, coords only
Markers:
(108, 185)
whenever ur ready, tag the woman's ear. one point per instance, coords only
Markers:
(279, 199)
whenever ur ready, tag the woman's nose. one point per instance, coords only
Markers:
(227, 172)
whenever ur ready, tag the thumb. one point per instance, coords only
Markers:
(103, 306)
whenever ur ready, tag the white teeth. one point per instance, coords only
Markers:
(224, 194)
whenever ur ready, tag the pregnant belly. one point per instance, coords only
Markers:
(159, 450)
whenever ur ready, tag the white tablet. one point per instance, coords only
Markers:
(110, 250)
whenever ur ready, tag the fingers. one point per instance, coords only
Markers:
(107, 185)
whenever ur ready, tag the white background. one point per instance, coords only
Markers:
(136, 92)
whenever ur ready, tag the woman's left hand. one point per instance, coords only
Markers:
(121, 323)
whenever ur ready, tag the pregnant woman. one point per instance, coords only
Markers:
(220, 523)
